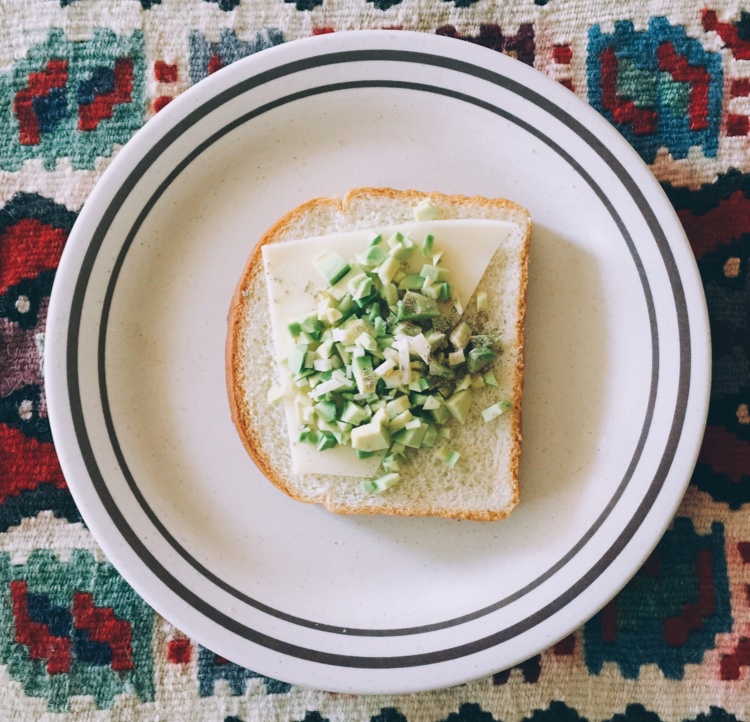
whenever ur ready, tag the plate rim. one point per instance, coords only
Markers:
(248, 63)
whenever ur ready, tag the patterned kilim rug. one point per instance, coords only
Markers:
(79, 77)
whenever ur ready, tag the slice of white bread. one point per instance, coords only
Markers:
(483, 486)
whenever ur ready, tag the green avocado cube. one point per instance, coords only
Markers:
(331, 266)
(376, 486)
(412, 282)
(354, 414)
(326, 440)
(458, 405)
(371, 437)
(434, 273)
(412, 438)
(480, 357)
(416, 306)
(397, 406)
(363, 374)
(430, 437)
(440, 414)
(326, 410)
(461, 335)
(373, 256)
(391, 464)
(296, 358)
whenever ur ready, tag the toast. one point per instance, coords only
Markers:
(483, 486)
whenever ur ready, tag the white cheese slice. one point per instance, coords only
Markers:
(468, 247)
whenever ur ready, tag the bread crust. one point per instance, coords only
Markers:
(233, 352)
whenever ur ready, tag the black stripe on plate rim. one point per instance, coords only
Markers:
(397, 56)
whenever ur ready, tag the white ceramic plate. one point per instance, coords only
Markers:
(616, 386)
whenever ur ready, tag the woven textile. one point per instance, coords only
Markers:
(79, 77)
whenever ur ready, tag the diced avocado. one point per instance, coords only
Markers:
(333, 315)
(276, 393)
(329, 426)
(486, 340)
(387, 270)
(427, 245)
(296, 358)
(489, 379)
(377, 486)
(304, 432)
(325, 349)
(479, 358)
(411, 437)
(326, 440)
(434, 338)
(461, 335)
(425, 211)
(444, 292)
(371, 437)
(363, 374)
(482, 301)
(417, 399)
(380, 417)
(458, 405)
(397, 406)
(326, 410)
(492, 412)
(399, 422)
(464, 383)
(434, 273)
(348, 333)
(431, 403)
(398, 449)
(363, 294)
(343, 353)
(455, 358)
(339, 289)
(376, 239)
(354, 414)
(373, 256)
(331, 266)
(444, 432)
(294, 328)
(379, 325)
(346, 306)
(430, 437)
(416, 306)
(391, 464)
(367, 342)
(312, 326)
(361, 454)
(401, 251)
(354, 282)
(389, 292)
(322, 364)
(395, 239)
(478, 383)
(412, 282)
(421, 384)
(438, 369)
(448, 456)
(310, 360)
